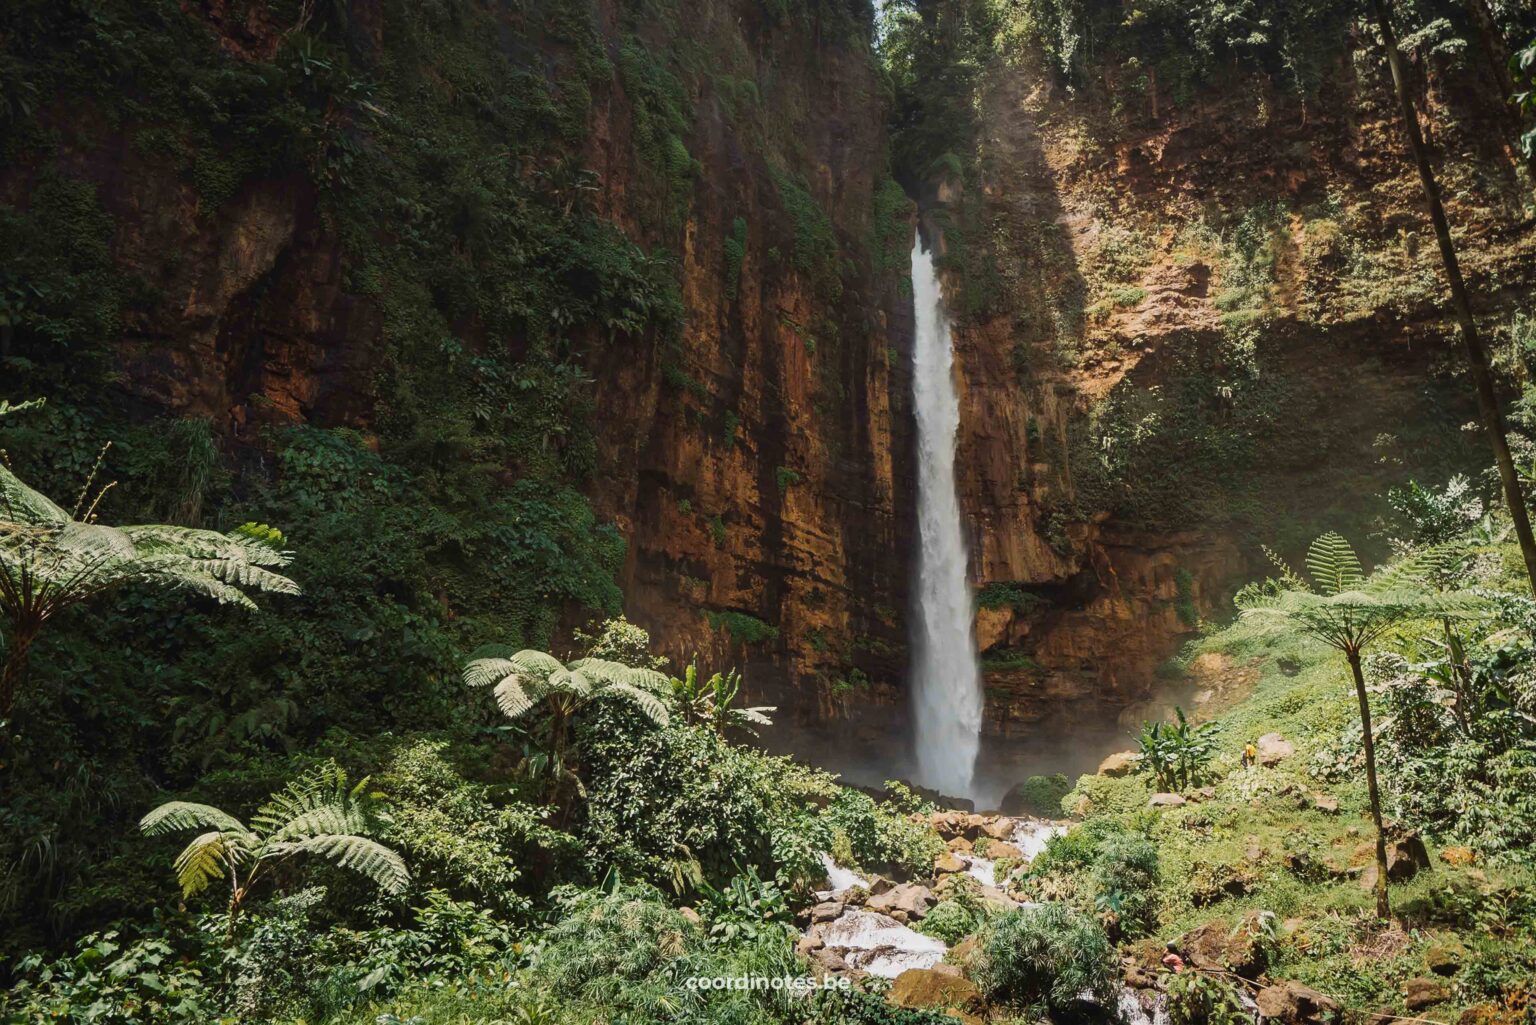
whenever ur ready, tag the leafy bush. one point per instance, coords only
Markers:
(1040, 795)
(147, 976)
(628, 952)
(1045, 958)
(458, 839)
(951, 920)
(1124, 875)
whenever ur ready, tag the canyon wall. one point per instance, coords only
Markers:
(1194, 328)
(651, 251)
(657, 254)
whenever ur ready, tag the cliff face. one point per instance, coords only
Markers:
(660, 256)
(655, 253)
(1193, 328)
(766, 502)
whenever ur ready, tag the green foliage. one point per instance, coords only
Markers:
(951, 920)
(1124, 875)
(626, 951)
(1525, 63)
(814, 251)
(862, 1007)
(59, 289)
(318, 814)
(1041, 795)
(1045, 958)
(785, 478)
(1004, 595)
(712, 700)
(52, 560)
(1195, 998)
(747, 908)
(534, 684)
(735, 253)
(113, 978)
(661, 117)
(743, 627)
(1184, 598)
(1177, 753)
(463, 840)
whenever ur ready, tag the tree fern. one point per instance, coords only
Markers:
(1349, 611)
(528, 682)
(51, 560)
(319, 814)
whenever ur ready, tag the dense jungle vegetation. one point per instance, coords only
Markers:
(352, 729)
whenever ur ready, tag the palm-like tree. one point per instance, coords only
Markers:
(530, 682)
(711, 701)
(316, 814)
(1349, 611)
(51, 560)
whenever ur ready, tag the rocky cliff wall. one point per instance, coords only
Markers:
(1193, 327)
(652, 251)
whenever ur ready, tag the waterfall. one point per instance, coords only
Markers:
(946, 682)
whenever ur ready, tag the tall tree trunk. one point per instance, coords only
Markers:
(22, 636)
(1477, 356)
(1383, 910)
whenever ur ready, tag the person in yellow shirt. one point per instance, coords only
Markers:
(1250, 753)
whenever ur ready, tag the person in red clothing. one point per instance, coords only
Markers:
(1172, 961)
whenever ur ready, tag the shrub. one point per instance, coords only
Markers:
(1045, 958)
(951, 921)
(1124, 877)
(1041, 795)
(461, 841)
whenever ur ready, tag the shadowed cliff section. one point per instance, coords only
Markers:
(1198, 309)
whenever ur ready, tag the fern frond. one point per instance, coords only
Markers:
(204, 860)
(178, 815)
(358, 853)
(518, 694)
(651, 706)
(616, 672)
(1333, 564)
(484, 672)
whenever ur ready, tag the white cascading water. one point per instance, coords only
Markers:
(946, 682)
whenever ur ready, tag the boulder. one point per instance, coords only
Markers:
(959, 844)
(1458, 856)
(1121, 763)
(1166, 801)
(1326, 803)
(828, 911)
(1406, 857)
(829, 961)
(1293, 1003)
(810, 942)
(879, 884)
(929, 988)
(1215, 946)
(998, 851)
(1445, 958)
(948, 863)
(1424, 992)
(1000, 828)
(908, 902)
(1274, 749)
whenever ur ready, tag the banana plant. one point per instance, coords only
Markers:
(711, 701)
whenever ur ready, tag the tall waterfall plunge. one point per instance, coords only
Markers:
(946, 683)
